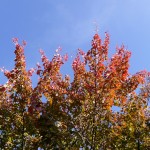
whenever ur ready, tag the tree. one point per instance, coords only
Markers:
(79, 113)
(53, 120)
(100, 83)
(17, 126)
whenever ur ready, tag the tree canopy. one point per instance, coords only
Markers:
(78, 113)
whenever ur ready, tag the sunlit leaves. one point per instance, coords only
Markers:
(60, 113)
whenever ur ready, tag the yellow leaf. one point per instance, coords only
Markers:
(38, 115)
(131, 128)
(50, 101)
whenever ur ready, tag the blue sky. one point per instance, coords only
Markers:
(48, 24)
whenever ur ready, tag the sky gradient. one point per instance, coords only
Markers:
(48, 24)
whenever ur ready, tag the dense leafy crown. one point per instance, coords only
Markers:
(79, 113)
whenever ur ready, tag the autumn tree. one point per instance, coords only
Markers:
(16, 124)
(62, 114)
(99, 84)
(53, 122)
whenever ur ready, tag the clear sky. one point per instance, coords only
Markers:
(48, 24)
